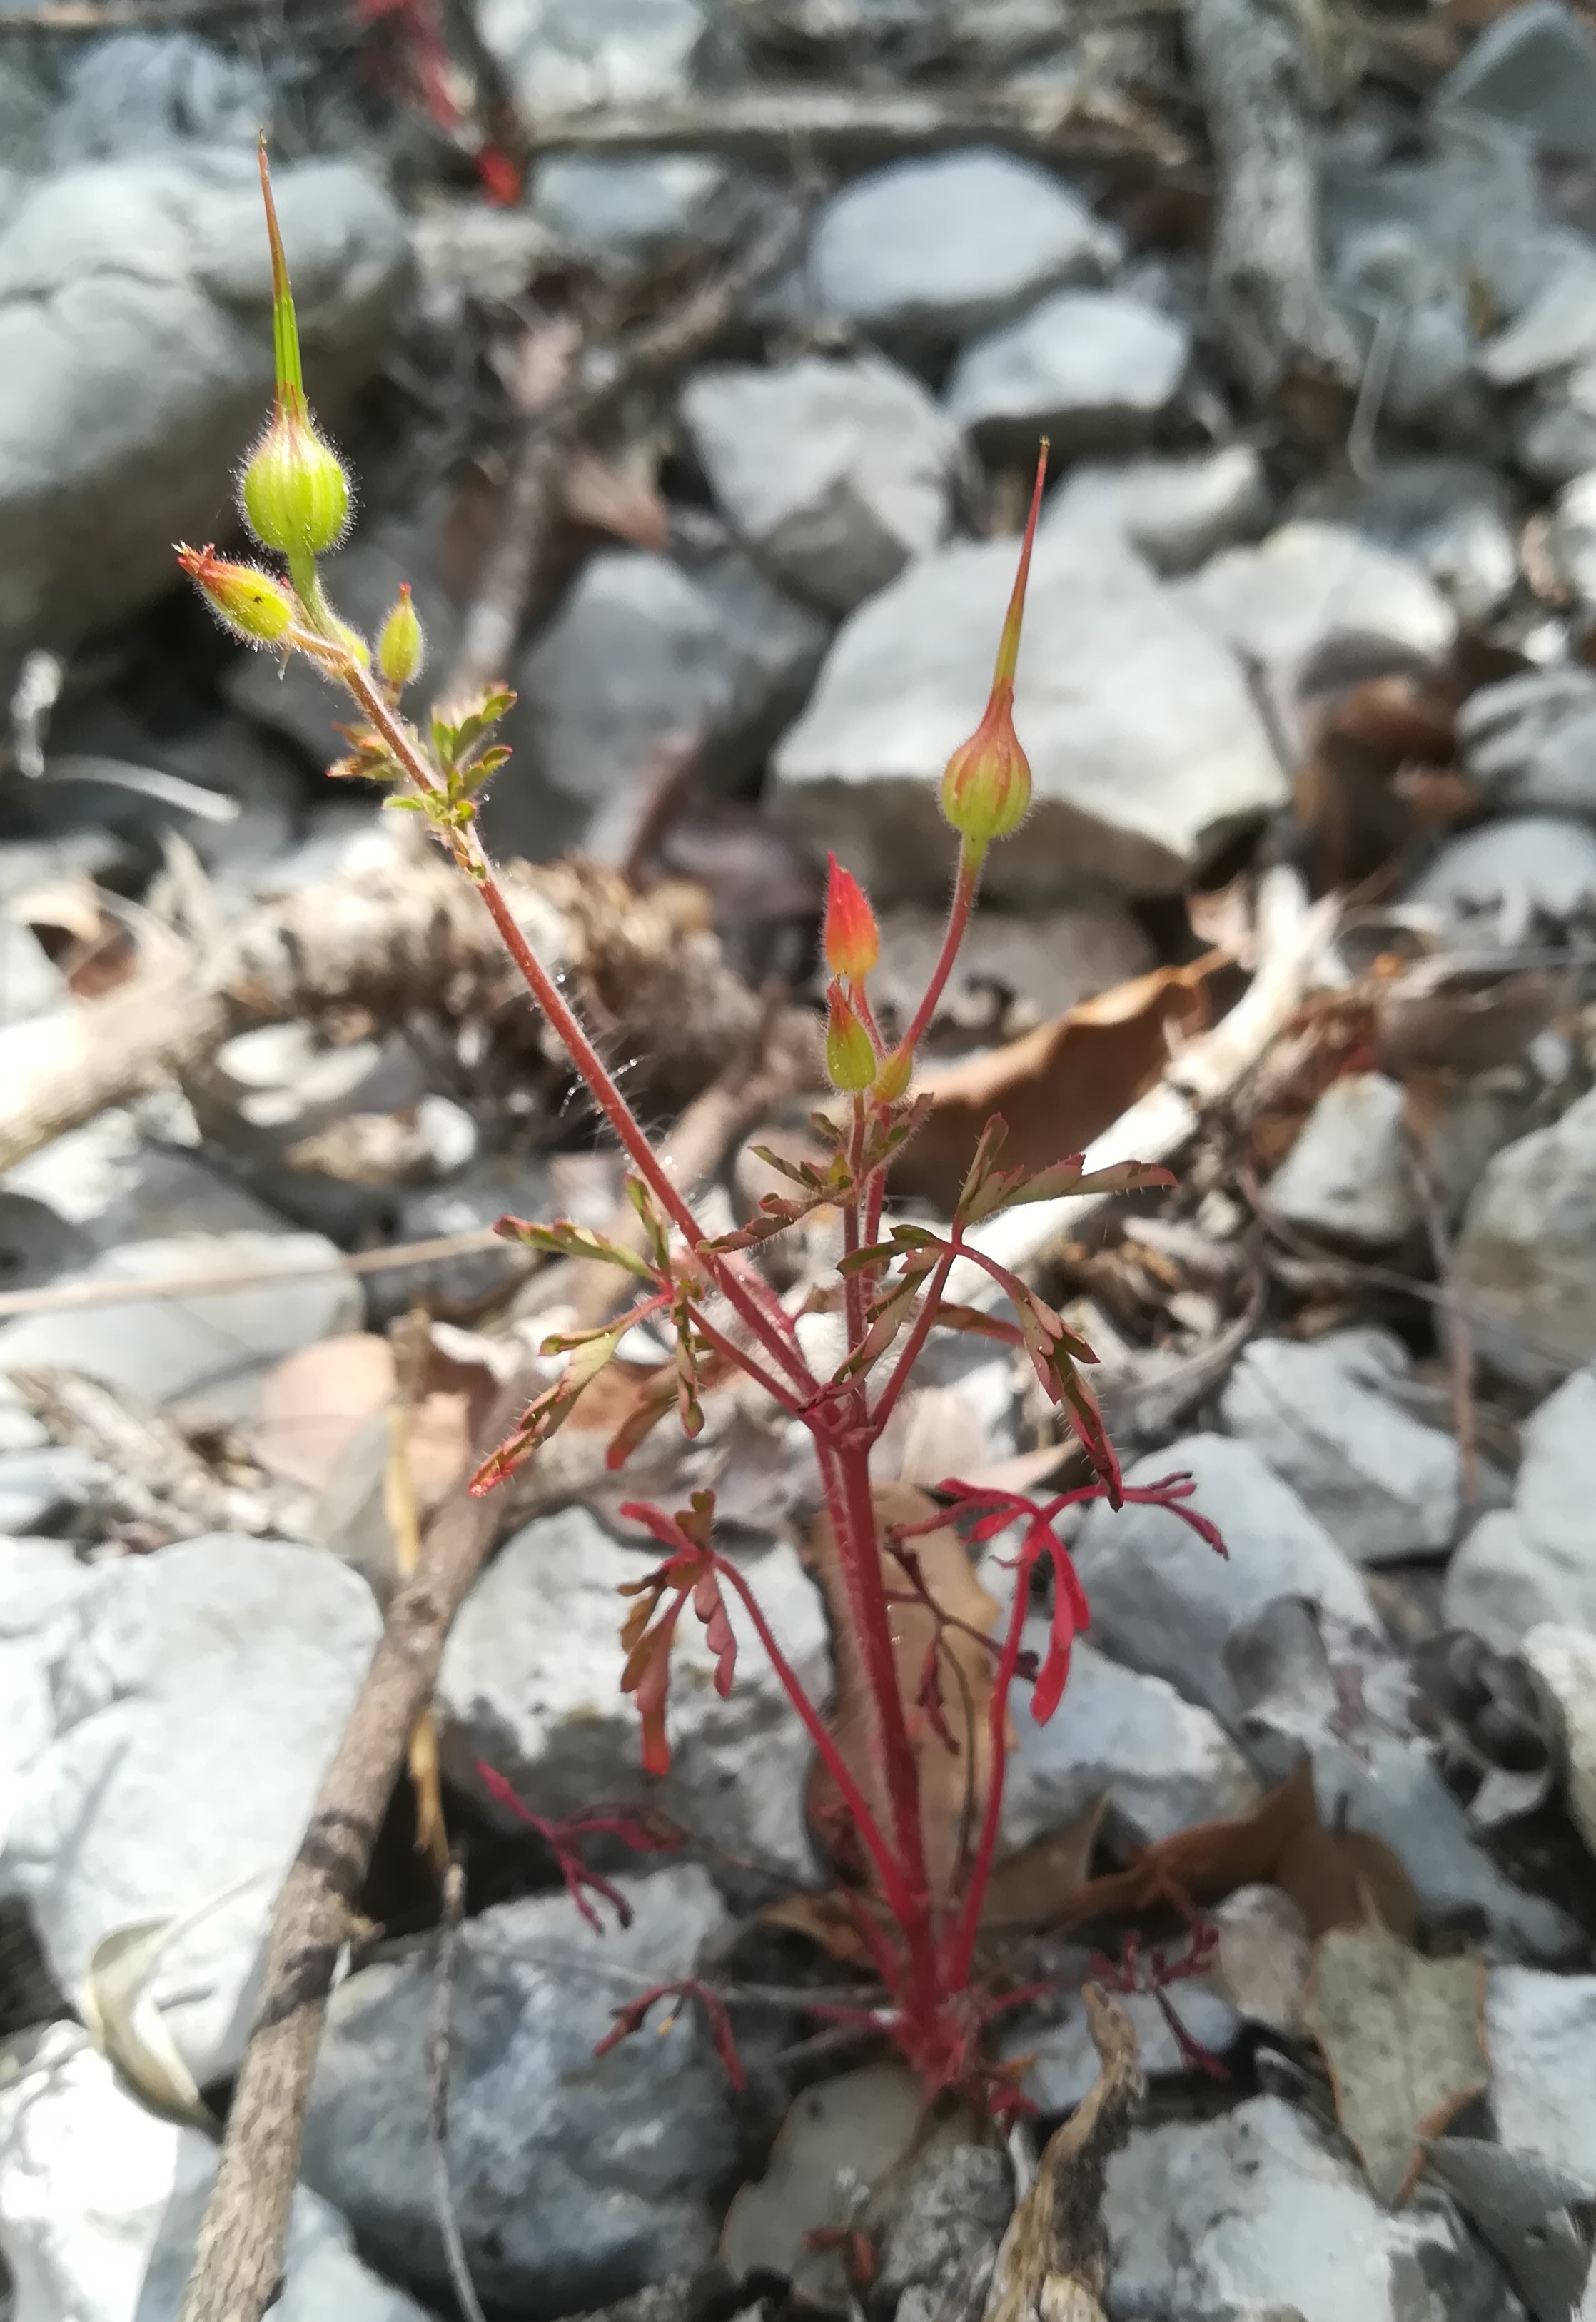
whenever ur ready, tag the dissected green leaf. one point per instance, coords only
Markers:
(1402, 2037)
(564, 1239)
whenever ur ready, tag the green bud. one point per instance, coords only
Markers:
(400, 646)
(294, 491)
(250, 602)
(849, 1055)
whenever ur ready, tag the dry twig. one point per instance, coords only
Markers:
(437, 2071)
(238, 2263)
(533, 500)
(410, 939)
(1054, 2263)
(1288, 344)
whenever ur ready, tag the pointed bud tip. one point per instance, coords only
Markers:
(986, 790)
(852, 941)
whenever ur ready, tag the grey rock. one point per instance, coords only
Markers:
(566, 56)
(106, 1186)
(42, 1491)
(1349, 1173)
(935, 249)
(362, 581)
(1534, 67)
(1162, 1763)
(641, 652)
(139, 92)
(1449, 515)
(1539, 2029)
(41, 1581)
(1322, 599)
(1531, 742)
(1163, 1603)
(1574, 535)
(1562, 1663)
(1146, 751)
(1554, 427)
(135, 345)
(949, 2222)
(530, 1684)
(1259, 2208)
(101, 2201)
(1309, 1680)
(1553, 327)
(1174, 512)
(1392, 1787)
(1032, 967)
(1527, 1255)
(1091, 370)
(636, 209)
(1325, 1417)
(1516, 867)
(1533, 1563)
(576, 2179)
(832, 474)
(1525, 2209)
(183, 1669)
(204, 1352)
(1063, 2058)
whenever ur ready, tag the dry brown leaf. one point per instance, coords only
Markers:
(1052, 2263)
(1212, 1859)
(1337, 1877)
(1434, 1018)
(1061, 1086)
(1033, 1888)
(1403, 2038)
(952, 1782)
(314, 1403)
(615, 500)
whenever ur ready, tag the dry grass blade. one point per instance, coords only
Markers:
(122, 2020)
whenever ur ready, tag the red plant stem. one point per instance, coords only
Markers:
(963, 902)
(859, 1546)
(960, 1947)
(584, 1055)
(893, 1887)
(919, 1331)
(855, 1299)
(749, 1365)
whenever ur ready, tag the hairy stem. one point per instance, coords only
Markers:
(959, 912)
(735, 1286)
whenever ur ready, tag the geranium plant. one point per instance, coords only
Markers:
(708, 1295)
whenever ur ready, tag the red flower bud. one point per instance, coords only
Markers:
(852, 943)
(987, 787)
(850, 1053)
(248, 601)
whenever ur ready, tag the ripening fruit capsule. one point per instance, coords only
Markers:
(893, 1075)
(850, 1053)
(250, 602)
(986, 790)
(294, 491)
(400, 646)
(852, 941)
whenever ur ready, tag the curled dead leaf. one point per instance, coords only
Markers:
(1061, 1086)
